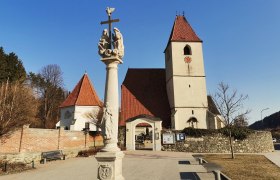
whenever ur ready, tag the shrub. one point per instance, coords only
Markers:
(189, 131)
(88, 152)
(239, 133)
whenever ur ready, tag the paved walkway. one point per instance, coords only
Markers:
(274, 157)
(137, 165)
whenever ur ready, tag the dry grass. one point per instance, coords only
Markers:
(246, 166)
(13, 168)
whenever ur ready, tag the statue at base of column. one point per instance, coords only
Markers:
(107, 122)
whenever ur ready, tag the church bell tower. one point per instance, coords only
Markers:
(185, 77)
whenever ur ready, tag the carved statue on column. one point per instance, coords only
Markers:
(104, 49)
(104, 44)
(118, 43)
(107, 122)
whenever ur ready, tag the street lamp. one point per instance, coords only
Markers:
(261, 113)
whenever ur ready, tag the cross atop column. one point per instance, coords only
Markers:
(110, 22)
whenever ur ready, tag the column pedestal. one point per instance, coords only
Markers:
(109, 165)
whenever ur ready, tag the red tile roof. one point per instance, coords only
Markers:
(182, 31)
(144, 93)
(82, 95)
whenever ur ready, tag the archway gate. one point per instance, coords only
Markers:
(154, 123)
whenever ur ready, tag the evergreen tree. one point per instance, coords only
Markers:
(11, 67)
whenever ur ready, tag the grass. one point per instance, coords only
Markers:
(246, 166)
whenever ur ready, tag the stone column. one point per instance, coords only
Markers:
(111, 101)
(110, 159)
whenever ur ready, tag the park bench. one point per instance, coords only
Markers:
(52, 155)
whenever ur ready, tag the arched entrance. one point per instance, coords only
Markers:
(192, 122)
(143, 132)
(144, 136)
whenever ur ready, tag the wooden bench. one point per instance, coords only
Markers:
(52, 155)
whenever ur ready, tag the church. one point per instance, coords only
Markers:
(176, 95)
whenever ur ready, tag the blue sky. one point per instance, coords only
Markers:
(240, 40)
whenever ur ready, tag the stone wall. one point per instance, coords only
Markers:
(38, 140)
(257, 142)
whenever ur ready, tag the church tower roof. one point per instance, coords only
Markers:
(82, 95)
(182, 31)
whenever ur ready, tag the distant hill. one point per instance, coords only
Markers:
(269, 122)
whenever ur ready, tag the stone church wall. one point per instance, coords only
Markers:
(257, 142)
(39, 140)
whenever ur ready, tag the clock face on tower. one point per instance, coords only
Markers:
(188, 59)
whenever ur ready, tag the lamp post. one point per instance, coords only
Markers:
(261, 113)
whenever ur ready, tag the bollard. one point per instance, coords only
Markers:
(33, 166)
(45, 160)
(218, 175)
(200, 160)
(5, 167)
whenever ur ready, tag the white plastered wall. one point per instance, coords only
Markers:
(79, 115)
(180, 67)
(189, 92)
(182, 115)
(186, 84)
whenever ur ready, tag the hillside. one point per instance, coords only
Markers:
(269, 122)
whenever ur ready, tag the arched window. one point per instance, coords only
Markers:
(187, 50)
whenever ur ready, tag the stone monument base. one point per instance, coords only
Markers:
(109, 165)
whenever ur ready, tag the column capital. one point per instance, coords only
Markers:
(112, 59)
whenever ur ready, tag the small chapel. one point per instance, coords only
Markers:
(176, 96)
(81, 107)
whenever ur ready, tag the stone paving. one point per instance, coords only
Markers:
(137, 165)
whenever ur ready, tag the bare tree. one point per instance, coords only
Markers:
(95, 117)
(230, 105)
(52, 74)
(18, 106)
(240, 121)
(48, 85)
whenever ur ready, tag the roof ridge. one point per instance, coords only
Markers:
(94, 92)
(79, 90)
(172, 32)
